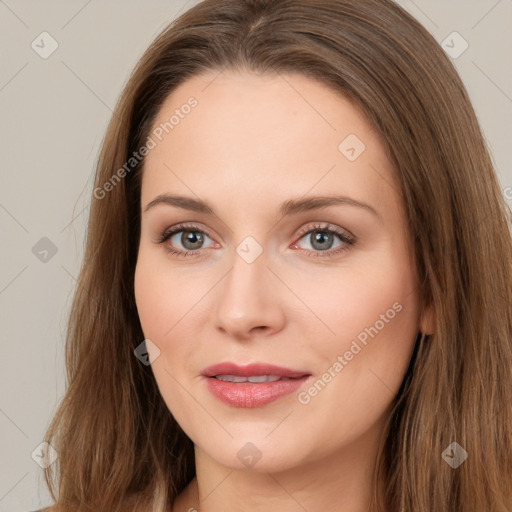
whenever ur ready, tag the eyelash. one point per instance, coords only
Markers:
(347, 240)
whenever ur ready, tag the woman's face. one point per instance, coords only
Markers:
(300, 260)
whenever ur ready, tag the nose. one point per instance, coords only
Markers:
(249, 302)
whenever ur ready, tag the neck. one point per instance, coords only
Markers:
(338, 481)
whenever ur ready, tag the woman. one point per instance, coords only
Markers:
(219, 356)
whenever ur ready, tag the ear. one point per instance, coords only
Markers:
(428, 319)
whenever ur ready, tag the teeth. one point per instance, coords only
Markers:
(254, 379)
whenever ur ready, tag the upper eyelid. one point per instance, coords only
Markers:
(325, 226)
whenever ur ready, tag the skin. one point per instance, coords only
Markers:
(251, 143)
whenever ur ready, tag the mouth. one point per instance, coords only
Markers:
(254, 372)
(254, 379)
(253, 385)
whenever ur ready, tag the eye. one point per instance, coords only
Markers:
(190, 237)
(322, 238)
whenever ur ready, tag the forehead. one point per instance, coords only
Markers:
(241, 104)
(279, 135)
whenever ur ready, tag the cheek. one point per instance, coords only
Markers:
(373, 317)
(151, 300)
(375, 320)
(170, 303)
(356, 302)
(161, 305)
(163, 298)
(385, 311)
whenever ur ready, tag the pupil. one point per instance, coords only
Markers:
(193, 237)
(319, 236)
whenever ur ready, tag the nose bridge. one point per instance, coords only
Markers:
(245, 285)
(246, 297)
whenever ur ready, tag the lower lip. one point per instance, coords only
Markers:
(246, 394)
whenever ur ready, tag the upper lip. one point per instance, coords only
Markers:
(228, 368)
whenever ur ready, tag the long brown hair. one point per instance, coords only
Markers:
(113, 433)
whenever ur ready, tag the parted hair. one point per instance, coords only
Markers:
(119, 447)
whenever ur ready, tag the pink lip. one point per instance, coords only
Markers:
(246, 394)
(228, 368)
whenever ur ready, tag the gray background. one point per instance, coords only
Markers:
(54, 114)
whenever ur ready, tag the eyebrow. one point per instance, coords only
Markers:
(289, 207)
